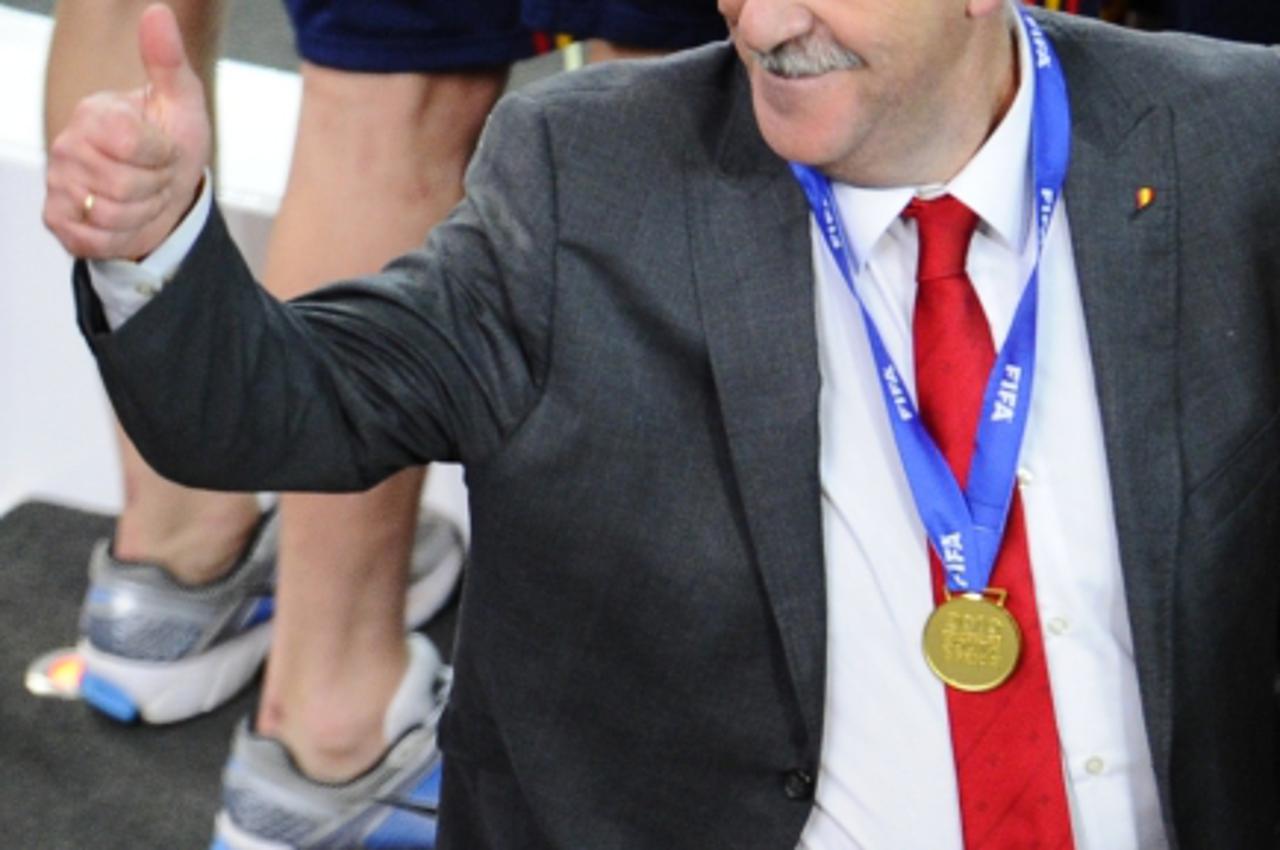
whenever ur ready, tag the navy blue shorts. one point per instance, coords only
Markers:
(452, 35)
(657, 24)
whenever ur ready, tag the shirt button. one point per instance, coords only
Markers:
(1095, 765)
(797, 785)
(1025, 477)
(1059, 626)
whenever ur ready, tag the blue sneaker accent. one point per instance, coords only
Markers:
(107, 698)
(412, 824)
(263, 610)
(424, 795)
(403, 831)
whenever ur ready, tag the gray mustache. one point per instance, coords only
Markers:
(807, 57)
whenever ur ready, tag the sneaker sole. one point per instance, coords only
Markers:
(169, 691)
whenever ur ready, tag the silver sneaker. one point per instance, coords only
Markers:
(160, 651)
(269, 805)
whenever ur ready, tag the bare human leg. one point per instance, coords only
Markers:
(378, 161)
(196, 534)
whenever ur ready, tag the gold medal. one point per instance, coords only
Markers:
(971, 642)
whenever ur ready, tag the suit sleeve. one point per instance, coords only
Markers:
(439, 357)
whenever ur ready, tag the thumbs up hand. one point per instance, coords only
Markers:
(128, 165)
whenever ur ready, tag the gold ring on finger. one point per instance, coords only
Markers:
(86, 206)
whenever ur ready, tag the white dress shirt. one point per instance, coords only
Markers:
(886, 780)
(124, 287)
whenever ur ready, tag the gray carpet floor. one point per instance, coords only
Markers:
(71, 779)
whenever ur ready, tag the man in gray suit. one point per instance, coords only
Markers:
(700, 576)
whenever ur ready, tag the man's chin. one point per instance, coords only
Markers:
(798, 152)
(796, 134)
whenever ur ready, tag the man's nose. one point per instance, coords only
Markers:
(764, 24)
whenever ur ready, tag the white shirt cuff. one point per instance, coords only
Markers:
(124, 287)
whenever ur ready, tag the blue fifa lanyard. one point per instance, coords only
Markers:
(965, 527)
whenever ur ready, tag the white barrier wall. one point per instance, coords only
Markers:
(55, 426)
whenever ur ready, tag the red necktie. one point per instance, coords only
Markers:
(1008, 763)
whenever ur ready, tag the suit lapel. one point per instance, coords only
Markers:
(755, 287)
(1126, 264)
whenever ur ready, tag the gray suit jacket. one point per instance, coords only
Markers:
(615, 333)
